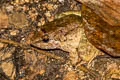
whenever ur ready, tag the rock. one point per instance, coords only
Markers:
(17, 19)
(71, 76)
(3, 19)
(108, 10)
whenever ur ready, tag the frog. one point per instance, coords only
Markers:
(62, 33)
(65, 33)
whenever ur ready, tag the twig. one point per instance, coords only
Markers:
(29, 47)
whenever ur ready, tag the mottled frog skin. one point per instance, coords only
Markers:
(61, 34)
(65, 33)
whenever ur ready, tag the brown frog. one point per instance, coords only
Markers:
(65, 33)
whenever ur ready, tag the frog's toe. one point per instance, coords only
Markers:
(114, 73)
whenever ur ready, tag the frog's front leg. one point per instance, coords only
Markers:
(74, 57)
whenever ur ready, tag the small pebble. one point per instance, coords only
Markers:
(9, 8)
(48, 14)
(1, 45)
(62, 1)
(14, 32)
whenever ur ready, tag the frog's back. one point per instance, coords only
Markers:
(60, 32)
(62, 22)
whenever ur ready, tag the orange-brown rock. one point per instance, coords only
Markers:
(109, 10)
(101, 34)
(3, 19)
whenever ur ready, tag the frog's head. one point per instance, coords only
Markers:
(53, 34)
(45, 42)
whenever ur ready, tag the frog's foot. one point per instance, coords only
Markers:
(111, 73)
(90, 72)
(74, 58)
(77, 13)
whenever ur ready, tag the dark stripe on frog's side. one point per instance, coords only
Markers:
(101, 34)
(57, 27)
(62, 22)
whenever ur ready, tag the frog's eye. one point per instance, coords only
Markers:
(45, 38)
